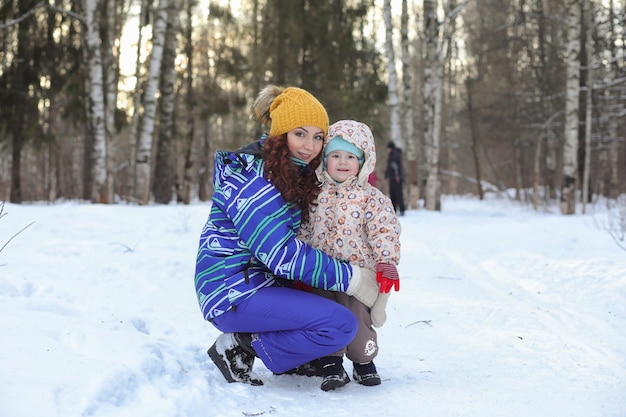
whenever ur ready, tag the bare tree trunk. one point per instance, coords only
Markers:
(537, 170)
(614, 146)
(551, 166)
(451, 125)
(588, 104)
(431, 91)
(97, 115)
(407, 110)
(394, 108)
(205, 183)
(16, 162)
(447, 69)
(18, 105)
(88, 135)
(189, 105)
(257, 55)
(165, 173)
(144, 146)
(110, 65)
(570, 147)
(474, 138)
(52, 149)
(415, 150)
(519, 162)
(134, 121)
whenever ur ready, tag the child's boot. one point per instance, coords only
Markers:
(365, 374)
(334, 374)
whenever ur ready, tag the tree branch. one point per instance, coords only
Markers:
(2, 214)
(17, 20)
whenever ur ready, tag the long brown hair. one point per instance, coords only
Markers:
(297, 184)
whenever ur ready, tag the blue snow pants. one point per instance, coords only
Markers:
(293, 326)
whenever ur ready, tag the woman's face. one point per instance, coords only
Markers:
(305, 142)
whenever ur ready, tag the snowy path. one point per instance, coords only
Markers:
(502, 312)
(530, 328)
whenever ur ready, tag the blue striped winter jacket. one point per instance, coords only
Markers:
(250, 237)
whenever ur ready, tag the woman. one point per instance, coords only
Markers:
(249, 245)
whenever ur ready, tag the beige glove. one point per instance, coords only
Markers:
(363, 285)
(378, 313)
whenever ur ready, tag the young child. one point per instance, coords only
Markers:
(355, 222)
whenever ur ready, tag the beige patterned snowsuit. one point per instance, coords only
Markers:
(355, 221)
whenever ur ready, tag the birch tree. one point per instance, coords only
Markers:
(436, 53)
(146, 132)
(572, 92)
(96, 106)
(616, 120)
(394, 106)
(408, 115)
(165, 174)
(110, 65)
(432, 93)
(134, 121)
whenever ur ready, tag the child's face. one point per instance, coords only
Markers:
(341, 165)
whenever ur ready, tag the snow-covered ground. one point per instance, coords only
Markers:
(503, 311)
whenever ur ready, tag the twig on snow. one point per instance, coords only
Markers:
(128, 248)
(427, 322)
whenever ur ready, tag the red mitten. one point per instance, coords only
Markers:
(387, 277)
(299, 285)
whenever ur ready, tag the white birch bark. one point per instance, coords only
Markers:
(432, 90)
(146, 132)
(572, 92)
(134, 121)
(394, 105)
(436, 53)
(616, 121)
(96, 103)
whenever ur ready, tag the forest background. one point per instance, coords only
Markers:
(126, 100)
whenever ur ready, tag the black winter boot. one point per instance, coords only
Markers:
(234, 356)
(312, 368)
(334, 374)
(365, 374)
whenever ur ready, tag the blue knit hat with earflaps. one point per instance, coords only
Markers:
(339, 144)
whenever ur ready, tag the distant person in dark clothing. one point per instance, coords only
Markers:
(394, 174)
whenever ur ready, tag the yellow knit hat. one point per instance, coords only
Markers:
(296, 107)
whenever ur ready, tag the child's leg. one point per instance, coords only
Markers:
(290, 327)
(364, 347)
